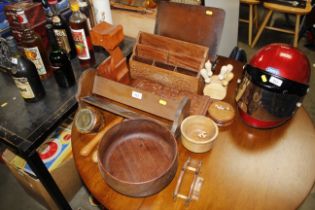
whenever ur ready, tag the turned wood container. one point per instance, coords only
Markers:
(138, 157)
(198, 133)
(222, 113)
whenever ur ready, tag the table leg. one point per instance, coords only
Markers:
(46, 179)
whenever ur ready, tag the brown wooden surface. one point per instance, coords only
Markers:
(246, 169)
(138, 157)
(125, 94)
(191, 23)
(168, 61)
(198, 103)
(109, 37)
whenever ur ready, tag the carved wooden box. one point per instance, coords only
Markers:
(168, 61)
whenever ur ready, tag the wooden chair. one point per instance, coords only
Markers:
(274, 7)
(252, 17)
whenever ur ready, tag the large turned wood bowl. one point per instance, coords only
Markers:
(138, 157)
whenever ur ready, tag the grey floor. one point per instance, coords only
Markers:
(12, 196)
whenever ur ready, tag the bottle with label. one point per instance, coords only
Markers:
(35, 51)
(85, 8)
(24, 74)
(81, 36)
(62, 30)
(60, 62)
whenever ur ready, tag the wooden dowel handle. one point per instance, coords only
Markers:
(94, 156)
(85, 151)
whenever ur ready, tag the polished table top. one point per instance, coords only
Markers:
(247, 168)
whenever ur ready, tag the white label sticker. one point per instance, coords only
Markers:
(14, 60)
(81, 44)
(275, 81)
(33, 54)
(136, 95)
(24, 87)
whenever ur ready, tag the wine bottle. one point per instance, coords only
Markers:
(35, 51)
(81, 36)
(62, 30)
(24, 74)
(60, 62)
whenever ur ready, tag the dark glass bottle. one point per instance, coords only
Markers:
(60, 62)
(35, 51)
(24, 74)
(81, 36)
(62, 30)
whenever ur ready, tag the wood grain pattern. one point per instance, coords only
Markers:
(171, 62)
(167, 78)
(174, 46)
(202, 26)
(199, 104)
(138, 157)
(246, 169)
(136, 98)
(109, 37)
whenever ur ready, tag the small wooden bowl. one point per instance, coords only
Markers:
(198, 133)
(138, 157)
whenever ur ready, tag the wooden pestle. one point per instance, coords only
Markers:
(85, 151)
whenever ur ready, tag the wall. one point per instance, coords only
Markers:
(230, 29)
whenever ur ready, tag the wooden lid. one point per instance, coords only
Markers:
(221, 112)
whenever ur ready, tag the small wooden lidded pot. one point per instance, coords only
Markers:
(222, 113)
(198, 133)
(88, 120)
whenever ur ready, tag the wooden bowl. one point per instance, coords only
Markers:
(198, 133)
(138, 157)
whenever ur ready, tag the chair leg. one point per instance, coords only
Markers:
(256, 16)
(261, 28)
(250, 25)
(297, 30)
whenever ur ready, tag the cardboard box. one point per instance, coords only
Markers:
(22, 15)
(134, 22)
(39, 28)
(65, 176)
(56, 153)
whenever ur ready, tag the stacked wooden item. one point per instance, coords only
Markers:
(160, 87)
(164, 76)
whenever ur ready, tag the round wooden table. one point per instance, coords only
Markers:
(247, 168)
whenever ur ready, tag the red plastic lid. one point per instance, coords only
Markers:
(52, 1)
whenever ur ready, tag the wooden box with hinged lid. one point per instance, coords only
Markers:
(168, 61)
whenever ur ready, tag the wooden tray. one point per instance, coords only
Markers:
(138, 157)
(131, 102)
